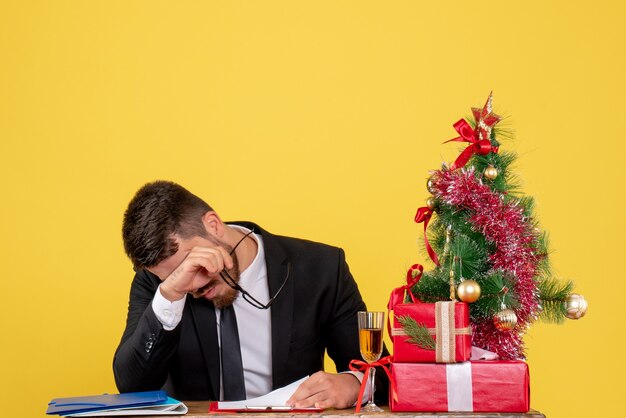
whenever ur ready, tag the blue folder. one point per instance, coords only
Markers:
(81, 404)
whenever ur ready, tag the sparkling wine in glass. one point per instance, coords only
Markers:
(371, 326)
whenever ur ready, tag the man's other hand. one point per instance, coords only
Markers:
(326, 390)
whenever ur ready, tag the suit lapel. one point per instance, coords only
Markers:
(203, 315)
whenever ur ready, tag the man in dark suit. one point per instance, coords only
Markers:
(293, 299)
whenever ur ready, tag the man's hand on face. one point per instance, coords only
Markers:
(200, 267)
(326, 390)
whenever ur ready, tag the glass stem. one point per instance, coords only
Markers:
(372, 372)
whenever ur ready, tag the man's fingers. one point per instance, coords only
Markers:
(228, 260)
(325, 390)
(208, 261)
(199, 269)
(323, 399)
(312, 401)
(308, 401)
(329, 403)
(213, 259)
(306, 389)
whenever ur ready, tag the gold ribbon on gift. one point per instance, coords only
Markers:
(445, 337)
(445, 332)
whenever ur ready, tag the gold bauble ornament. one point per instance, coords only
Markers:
(431, 203)
(575, 306)
(468, 291)
(505, 320)
(430, 185)
(490, 172)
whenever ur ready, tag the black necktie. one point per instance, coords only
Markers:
(232, 368)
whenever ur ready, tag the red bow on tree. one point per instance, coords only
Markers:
(479, 139)
(423, 215)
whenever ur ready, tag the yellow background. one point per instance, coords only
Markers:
(314, 119)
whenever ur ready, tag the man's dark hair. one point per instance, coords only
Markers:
(159, 211)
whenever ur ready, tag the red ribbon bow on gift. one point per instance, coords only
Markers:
(423, 215)
(397, 294)
(477, 146)
(361, 366)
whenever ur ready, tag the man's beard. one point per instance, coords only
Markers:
(229, 296)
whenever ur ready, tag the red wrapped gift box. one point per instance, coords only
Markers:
(447, 322)
(478, 386)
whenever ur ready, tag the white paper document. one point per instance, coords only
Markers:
(275, 400)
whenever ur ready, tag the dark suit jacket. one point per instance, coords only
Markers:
(316, 311)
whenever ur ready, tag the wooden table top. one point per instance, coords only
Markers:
(199, 409)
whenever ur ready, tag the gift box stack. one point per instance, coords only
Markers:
(432, 367)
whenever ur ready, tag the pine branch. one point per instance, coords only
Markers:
(552, 294)
(459, 221)
(528, 203)
(503, 130)
(493, 294)
(506, 182)
(472, 256)
(417, 333)
(543, 267)
(433, 286)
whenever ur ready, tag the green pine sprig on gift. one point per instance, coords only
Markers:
(417, 333)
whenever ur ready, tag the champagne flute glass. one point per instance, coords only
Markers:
(371, 326)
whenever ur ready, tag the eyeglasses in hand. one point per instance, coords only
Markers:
(244, 293)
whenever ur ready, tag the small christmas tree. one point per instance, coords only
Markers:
(486, 244)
